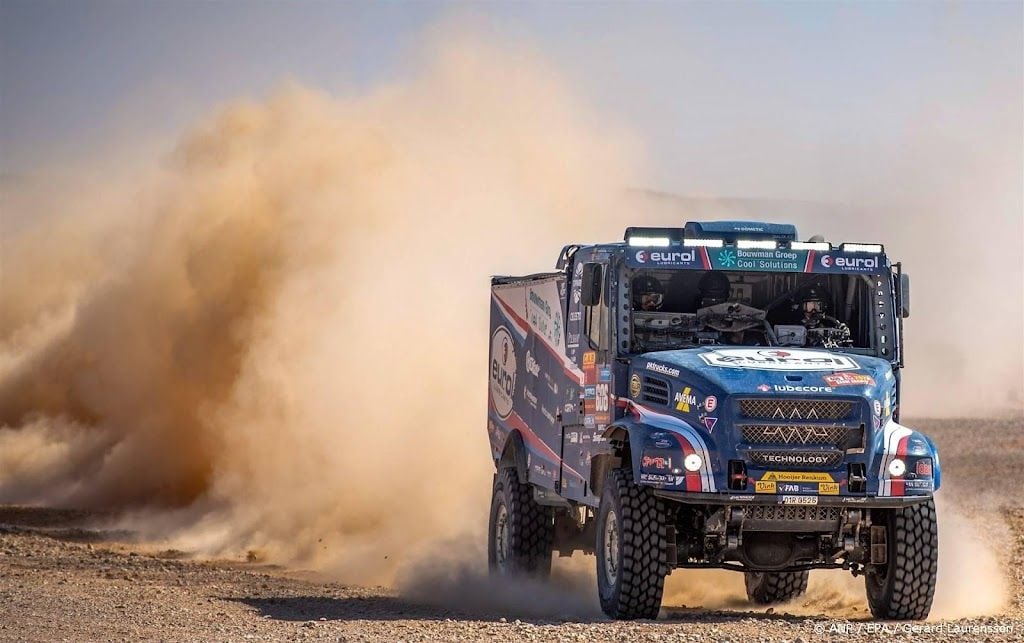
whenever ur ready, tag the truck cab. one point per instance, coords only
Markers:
(716, 395)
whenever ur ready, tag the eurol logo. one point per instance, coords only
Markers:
(660, 256)
(869, 263)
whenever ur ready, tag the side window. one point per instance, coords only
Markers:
(595, 309)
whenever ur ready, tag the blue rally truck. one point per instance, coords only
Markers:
(718, 395)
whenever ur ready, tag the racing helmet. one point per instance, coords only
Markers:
(814, 300)
(714, 289)
(648, 293)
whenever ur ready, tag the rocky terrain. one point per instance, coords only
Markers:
(62, 579)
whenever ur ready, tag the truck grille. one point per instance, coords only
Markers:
(782, 409)
(792, 512)
(654, 390)
(839, 437)
(796, 459)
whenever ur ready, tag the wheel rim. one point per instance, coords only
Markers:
(611, 547)
(501, 538)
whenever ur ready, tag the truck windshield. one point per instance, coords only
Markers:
(687, 308)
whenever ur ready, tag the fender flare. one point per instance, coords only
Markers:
(514, 454)
(887, 444)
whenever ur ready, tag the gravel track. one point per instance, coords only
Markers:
(62, 581)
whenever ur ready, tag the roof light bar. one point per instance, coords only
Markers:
(875, 248)
(656, 242)
(810, 245)
(703, 243)
(759, 244)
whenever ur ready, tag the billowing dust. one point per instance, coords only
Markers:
(274, 339)
(277, 342)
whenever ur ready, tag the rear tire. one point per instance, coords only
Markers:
(774, 587)
(521, 532)
(903, 588)
(632, 549)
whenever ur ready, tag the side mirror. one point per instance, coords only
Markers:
(591, 295)
(904, 295)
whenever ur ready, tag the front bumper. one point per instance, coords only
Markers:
(740, 499)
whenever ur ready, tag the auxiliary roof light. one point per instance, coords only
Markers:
(810, 245)
(758, 244)
(657, 242)
(705, 243)
(875, 248)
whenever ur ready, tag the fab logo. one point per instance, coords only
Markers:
(503, 372)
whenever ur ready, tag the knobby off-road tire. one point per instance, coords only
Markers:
(632, 543)
(521, 531)
(774, 587)
(904, 587)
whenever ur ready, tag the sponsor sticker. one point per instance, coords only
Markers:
(797, 476)
(656, 462)
(684, 399)
(530, 397)
(778, 360)
(589, 422)
(709, 423)
(828, 488)
(604, 374)
(764, 388)
(804, 459)
(852, 264)
(532, 367)
(666, 257)
(790, 388)
(848, 379)
(878, 407)
(764, 486)
(589, 359)
(503, 371)
(601, 399)
(634, 385)
(710, 403)
(589, 392)
(918, 484)
(664, 370)
(799, 500)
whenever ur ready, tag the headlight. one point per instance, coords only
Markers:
(692, 462)
(897, 467)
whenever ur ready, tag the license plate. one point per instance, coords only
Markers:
(799, 500)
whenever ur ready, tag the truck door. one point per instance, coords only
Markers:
(589, 347)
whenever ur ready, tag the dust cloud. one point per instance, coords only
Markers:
(274, 339)
(277, 341)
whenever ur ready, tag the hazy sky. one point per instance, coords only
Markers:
(791, 88)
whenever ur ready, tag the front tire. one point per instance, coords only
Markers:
(903, 588)
(632, 544)
(521, 532)
(774, 587)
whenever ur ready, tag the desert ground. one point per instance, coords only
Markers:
(65, 577)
